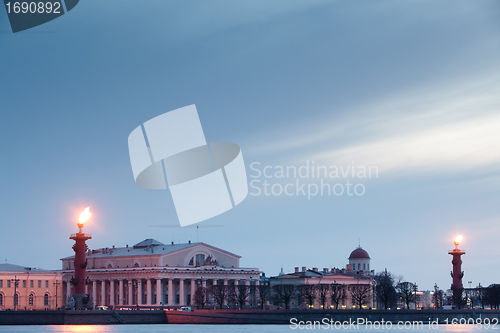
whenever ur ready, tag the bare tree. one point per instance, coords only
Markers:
(284, 293)
(360, 294)
(307, 292)
(264, 291)
(323, 292)
(438, 297)
(220, 293)
(481, 295)
(406, 291)
(201, 296)
(241, 293)
(386, 290)
(337, 294)
(492, 296)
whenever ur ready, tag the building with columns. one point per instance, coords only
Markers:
(347, 285)
(152, 274)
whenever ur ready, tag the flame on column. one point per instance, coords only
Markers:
(459, 238)
(85, 215)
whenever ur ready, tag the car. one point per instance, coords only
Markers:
(185, 308)
(101, 307)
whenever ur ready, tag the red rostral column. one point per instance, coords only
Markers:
(457, 273)
(80, 279)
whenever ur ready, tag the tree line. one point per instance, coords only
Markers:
(392, 292)
(281, 295)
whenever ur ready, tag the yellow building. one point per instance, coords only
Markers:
(26, 288)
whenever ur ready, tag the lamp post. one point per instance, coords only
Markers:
(415, 289)
(15, 298)
(457, 273)
(470, 294)
(56, 285)
(81, 298)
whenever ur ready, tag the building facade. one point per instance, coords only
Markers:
(27, 288)
(152, 274)
(349, 287)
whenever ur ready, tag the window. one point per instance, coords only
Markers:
(46, 298)
(359, 267)
(368, 266)
(136, 265)
(31, 283)
(1, 299)
(46, 283)
(24, 283)
(110, 266)
(16, 299)
(39, 283)
(1, 283)
(197, 260)
(8, 283)
(31, 300)
(364, 267)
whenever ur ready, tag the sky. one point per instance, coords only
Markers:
(411, 89)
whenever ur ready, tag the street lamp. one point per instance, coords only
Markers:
(16, 298)
(415, 289)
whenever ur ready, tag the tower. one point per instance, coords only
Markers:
(360, 260)
(457, 273)
(80, 298)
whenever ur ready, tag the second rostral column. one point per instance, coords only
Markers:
(457, 274)
(80, 297)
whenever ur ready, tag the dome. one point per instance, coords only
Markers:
(359, 253)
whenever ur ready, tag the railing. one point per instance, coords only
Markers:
(80, 234)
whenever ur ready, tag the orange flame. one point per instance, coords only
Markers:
(459, 238)
(85, 215)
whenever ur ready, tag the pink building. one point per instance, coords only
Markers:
(153, 274)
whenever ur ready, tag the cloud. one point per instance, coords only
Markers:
(449, 129)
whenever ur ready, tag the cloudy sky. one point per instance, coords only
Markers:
(410, 87)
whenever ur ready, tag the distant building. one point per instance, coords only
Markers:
(354, 278)
(359, 260)
(151, 273)
(29, 288)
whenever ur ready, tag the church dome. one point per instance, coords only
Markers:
(359, 253)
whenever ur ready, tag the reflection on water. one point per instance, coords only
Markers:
(210, 329)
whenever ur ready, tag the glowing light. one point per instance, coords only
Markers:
(85, 215)
(459, 238)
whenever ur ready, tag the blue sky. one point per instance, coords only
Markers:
(412, 87)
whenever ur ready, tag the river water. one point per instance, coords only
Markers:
(219, 329)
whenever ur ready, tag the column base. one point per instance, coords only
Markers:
(80, 301)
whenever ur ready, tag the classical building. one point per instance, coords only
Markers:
(351, 286)
(29, 288)
(152, 274)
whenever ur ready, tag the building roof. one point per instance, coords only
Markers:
(146, 247)
(138, 249)
(359, 253)
(319, 275)
(6, 267)
(147, 242)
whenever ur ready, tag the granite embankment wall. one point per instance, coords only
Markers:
(83, 317)
(99, 317)
(284, 316)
